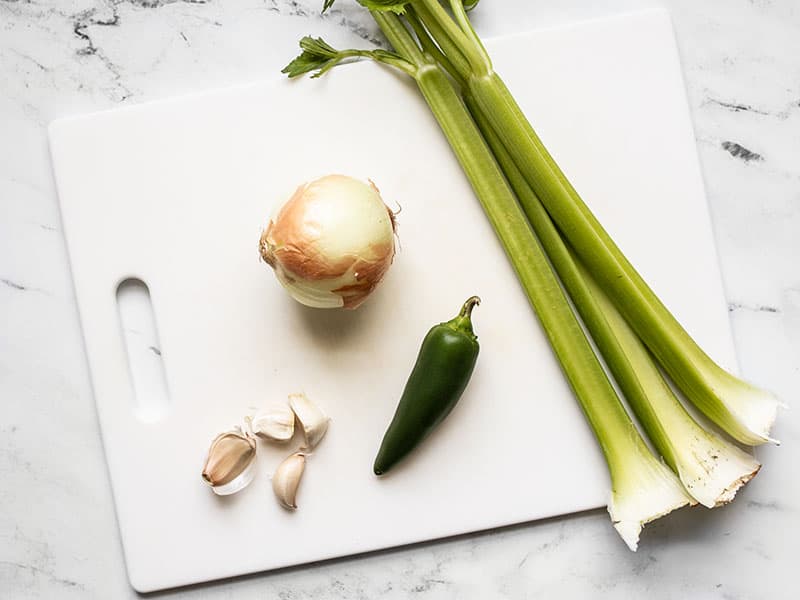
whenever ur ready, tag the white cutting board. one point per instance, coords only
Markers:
(176, 192)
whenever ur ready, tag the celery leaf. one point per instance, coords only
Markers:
(317, 55)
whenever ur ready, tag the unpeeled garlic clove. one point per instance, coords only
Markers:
(312, 419)
(286, 479)
(276, 424)
(229, 464)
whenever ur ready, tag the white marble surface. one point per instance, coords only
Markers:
(58, 534)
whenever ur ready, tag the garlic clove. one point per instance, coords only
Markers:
(286, 480)
(313, 420)
(276, 424)
(229, 464)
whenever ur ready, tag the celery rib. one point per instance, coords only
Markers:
(718, 394)
(710, 469)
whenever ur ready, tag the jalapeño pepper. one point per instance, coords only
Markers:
(440, 375)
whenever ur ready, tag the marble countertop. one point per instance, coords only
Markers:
(58, 533)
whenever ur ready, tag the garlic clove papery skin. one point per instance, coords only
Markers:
(313, 421)
(229, 464)
(286, 480)
(331, 242)
(276, 424)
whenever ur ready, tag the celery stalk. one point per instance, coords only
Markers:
(710, 468)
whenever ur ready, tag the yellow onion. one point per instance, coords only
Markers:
(331, 243)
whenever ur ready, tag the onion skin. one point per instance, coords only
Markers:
(331, 242)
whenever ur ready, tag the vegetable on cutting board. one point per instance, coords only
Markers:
(229, 465)
(286, 480)
(710, 468)
(444, 366)
(440, 50)
(311, 418)
(331, 242)
(275, 424)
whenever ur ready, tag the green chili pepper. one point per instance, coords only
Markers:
(440, 375)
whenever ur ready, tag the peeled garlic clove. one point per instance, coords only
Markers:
(286, 479)
(313, 420)
(275, 424)
(229, 464)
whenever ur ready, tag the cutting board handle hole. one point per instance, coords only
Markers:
(143, 350)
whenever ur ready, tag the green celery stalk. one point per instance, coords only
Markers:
(710, 468)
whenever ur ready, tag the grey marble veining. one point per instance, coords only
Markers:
(58, 534)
